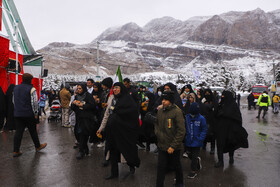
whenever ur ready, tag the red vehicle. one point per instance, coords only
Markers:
(258, 89)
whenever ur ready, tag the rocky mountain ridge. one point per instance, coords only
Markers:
(242, 42)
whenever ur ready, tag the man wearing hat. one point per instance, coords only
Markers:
(170, 131)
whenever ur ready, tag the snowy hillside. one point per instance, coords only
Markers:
(231, 49)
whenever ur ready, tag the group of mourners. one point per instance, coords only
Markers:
(122, 118)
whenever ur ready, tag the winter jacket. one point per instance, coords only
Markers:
(170, 128)
(23, 100)
(42, 100)
(196, 130)
(264, 100)
(276, 99)
(65, 98)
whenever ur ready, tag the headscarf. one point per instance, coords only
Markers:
(124, 90)
(228, 97)
(152, 100)
(187, 86)
(209, 98)
(193, 96)
(82, 96)
(99, 92)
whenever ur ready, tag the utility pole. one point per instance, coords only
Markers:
(17, 39)
(98, 62)
(274, 75)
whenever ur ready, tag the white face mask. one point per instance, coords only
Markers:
(159, 93)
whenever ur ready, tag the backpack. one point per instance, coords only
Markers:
(264, 99)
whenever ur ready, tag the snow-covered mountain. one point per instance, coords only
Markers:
(227, 49)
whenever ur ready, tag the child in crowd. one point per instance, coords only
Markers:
(196, 130)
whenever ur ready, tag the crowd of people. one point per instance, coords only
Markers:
(121, 117)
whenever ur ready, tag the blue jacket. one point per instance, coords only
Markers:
(196, 130)
(42, 100)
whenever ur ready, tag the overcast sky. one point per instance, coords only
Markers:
(82, 21)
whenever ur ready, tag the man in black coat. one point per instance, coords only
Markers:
(131, 91)
(251, 100)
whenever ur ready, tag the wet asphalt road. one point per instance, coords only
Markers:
(57, 165)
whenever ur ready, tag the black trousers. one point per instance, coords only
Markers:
(193, 155)
(83, 146)
(252, 104)
(163, 158)
(42, 109)
(21, 124)
(264, 108)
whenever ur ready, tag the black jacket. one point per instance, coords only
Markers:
(86, 117)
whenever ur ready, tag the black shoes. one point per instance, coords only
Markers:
(131, 170)
(219, 164)
(111, 176)
(80, 155)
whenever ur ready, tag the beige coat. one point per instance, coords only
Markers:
(65, 98)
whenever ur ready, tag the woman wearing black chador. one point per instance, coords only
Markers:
(229, 131)
(85, 108)
(122, 130)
